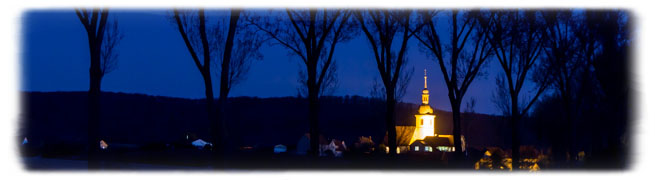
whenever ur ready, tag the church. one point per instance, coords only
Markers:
(422, 137)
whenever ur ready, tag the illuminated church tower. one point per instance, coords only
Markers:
(425, 117)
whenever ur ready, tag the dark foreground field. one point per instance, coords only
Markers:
(193, 159)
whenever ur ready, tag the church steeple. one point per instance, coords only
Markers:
(425, 118)
(426, 94)
(425, 79)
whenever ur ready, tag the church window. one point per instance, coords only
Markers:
(426, 148)
(416, 148)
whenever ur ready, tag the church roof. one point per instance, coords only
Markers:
(434, 141)
(404, 134)
(425, 109)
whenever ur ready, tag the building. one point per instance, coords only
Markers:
(424, 137)
(433, 143)
(425, 117)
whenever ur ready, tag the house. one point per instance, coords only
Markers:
(443, 143)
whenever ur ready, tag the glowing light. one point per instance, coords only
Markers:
(425, 109)
(581, 155)
(424, 126)
(446, 148)
(534, 168)
(426, 94)
(25, 140)
(506, 163)
(103, 144)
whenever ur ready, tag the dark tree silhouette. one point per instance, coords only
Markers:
(192, 28)
(562, 66)
(606, 42)
(237, 47)
(585, 57)
(103, 39)
(240, 48)
(469, 49)
(225, 77)
(312, 35)
(517, 42)
(470, 106)
(380, 28)
(378, 91)
(109, 53)
(500, 96)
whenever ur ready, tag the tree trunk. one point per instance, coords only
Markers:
(313, 121)
(225, 72)
(95, 77)
(93, 128)
(515, 132)
(391, 124)
(563, 141)
(211, 114)
(569, 124)
(457, 130)
(312, 96)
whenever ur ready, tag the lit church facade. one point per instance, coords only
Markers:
(425, 138)
(425, 117)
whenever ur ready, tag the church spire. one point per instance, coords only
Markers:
(425, 78)
(426, 94)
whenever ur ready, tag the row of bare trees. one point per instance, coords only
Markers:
(559, 52)
(311, 35)
(536, 50)
(586, 63)
(210, 43)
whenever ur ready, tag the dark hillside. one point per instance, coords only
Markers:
(60, 117)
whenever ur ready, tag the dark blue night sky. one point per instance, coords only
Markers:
(154, 60)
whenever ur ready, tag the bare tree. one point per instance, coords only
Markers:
(241, 47)
(517, 42)
(245, 49)
(192, 27)
(330, 82)
(102, 42)
(109, 53)
(404, 135)
(380, 28)
(500, 96)
(469, 50)
(563, 65)
(378, 91)
(470, 106)
(605, 41)
(231, 52)
(311, 35)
